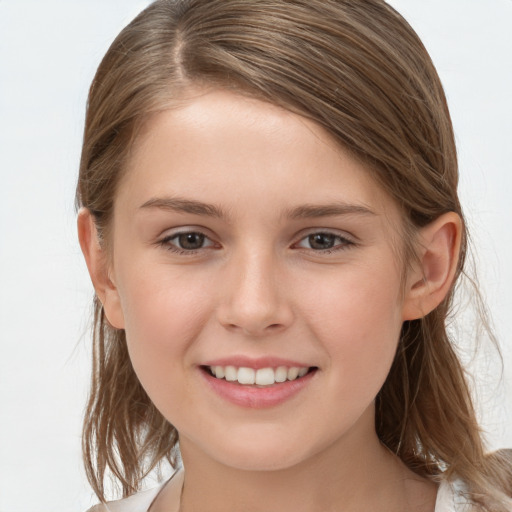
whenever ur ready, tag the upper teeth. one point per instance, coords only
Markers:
(260, 377)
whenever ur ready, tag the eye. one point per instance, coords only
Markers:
(189, 241)
(186, 242)
(324, 241)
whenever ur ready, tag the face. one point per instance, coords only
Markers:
(249, 248)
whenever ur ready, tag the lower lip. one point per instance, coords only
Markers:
(253, 397)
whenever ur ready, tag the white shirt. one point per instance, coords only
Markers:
(450, 498)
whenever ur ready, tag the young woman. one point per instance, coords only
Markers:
(269, 215)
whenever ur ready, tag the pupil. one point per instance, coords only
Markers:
(321, 241)
(191, 240)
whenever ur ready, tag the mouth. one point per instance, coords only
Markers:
(258, 378)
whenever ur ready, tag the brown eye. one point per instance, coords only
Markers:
(186, 242)
(325, 241)
(321, 241)
(190, 241)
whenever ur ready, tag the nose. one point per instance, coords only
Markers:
(254, 298)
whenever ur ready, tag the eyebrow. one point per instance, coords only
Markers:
(307, 211)
(177, 204)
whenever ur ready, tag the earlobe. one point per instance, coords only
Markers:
(96, 261)
(431, 280)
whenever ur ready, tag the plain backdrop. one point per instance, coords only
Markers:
(49, 50)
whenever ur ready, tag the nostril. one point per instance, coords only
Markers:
(255, 330)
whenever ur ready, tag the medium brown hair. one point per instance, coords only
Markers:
(357, 69)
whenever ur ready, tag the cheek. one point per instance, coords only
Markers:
(164, 313)
(358, 321)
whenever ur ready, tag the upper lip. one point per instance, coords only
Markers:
(255, 362)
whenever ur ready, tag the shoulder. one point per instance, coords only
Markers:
(142, 501)
(139, 502)
(452, 497)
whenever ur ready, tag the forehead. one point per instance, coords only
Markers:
(220, 146)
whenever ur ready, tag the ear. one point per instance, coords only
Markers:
(96, 260)
(429, 282)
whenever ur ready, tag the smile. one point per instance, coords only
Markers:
(257, 388)
(259, 377)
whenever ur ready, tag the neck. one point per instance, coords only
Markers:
(357, 473)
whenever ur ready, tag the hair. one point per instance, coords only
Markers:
(358, 70)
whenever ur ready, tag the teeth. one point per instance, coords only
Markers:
(218, 371)
(293, 373)
(281, 374)
(246, 376)
(303, 371)
(231, 373)
(260, 377)
(264, 376)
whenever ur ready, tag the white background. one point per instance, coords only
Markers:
(49, 50)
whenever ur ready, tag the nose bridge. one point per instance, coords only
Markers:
(254, 299)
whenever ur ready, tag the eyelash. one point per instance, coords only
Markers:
(166, 243)
(343, 243)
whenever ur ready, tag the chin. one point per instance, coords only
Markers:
(261, 461)
(259, 453)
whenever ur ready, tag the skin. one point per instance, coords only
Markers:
(258, 287)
